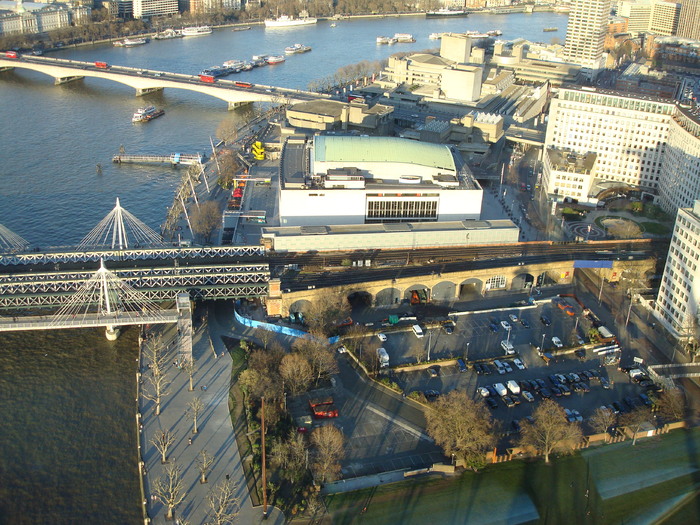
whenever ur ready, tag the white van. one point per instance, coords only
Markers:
(507, 347)
(418, 331)
(502, 390)
(513, 387)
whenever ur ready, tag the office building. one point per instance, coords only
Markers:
(150, 8)
(650, 16)
(626, 131)
(677, 302)
(585, 35)
(689, 20)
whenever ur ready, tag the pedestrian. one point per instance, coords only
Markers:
(227, 477)
(189, 441)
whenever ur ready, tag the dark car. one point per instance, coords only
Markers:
(492, 391)
(524, 322)
(486, 369)
(565, 390)
(585, 387)
(524, 384)
(493, 327)
(448, 327)
(534, 385)
(492, 403)
(554, 380)
(594, 373)
(585, 375)
(617, 408)
(545, 320)
(577, 387)
(515, 399)
(630, 402)
(478, 369)
(545, 393)
(431, 395)
(507, 401)
(580, 353)
(461, 364)
(645, 399)
(541, 383)
(515, 426)
(556, 391)
(605, 383)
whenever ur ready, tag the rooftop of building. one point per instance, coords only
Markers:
(613, 93)
(676, 41)
(382, 149)
(288, 231)
(430, 59)
(566, 160)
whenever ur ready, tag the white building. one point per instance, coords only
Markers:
(680, 173)
(21, 18)
(335, 180)
(628, 134)
(149, 8)
(677, 302)
(650, 16)
(585, 35)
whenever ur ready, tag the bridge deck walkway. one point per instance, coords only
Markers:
(44, 322)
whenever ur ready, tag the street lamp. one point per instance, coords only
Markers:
(430, 337)
(466, 351)
(508, 338)
(542, 345)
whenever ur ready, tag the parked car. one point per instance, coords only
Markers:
(513, 318)
(492, 403)
(594, 373)
(545, 393)
(381, 337)
(483, 391)
(556, 391)
(519, 364)
(605, 383)
(557, 342)
(431, 395)
(448, 327)
(617, 407)
(528, 396)
(515, 426)
(433, 371)
(507, 367)
(492, 391)
(505, 325)
(486, 369)
(545, 320)
(645, 399)
(524, 322)
(565, 390)
(508, 401)
(493, 327)
(461, 364)
(541, 383)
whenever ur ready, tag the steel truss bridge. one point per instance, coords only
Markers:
(157, 284)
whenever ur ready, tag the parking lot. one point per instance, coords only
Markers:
(478, 336)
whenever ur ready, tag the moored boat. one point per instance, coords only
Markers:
(276, 59)
(405, 38)
(167, 34)
(435, 36)
(245, 28)
(550, 29)
(297, 48)
(446, 12)
(147, 113)
(289, 21)
(196, 31)
(131, 42)
(235, 65)
(386, 40)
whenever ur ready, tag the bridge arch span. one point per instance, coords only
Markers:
(417, 293)
(444, 291)
(522, 280)
(388, 296)
(471, 288)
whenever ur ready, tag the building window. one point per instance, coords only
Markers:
(401, 210)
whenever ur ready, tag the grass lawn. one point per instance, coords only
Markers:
(655, 227)
(656, 481)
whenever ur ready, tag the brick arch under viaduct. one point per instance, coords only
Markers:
(445, 288)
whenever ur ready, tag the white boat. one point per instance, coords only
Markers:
(168, 34)
(146, 113)
(404, 38)
(276, 59)
(235, 65)
(435, 36)
(386, 40)
(196, 31)
(333, 24)
(297, 48)
(289, 21)
(446, 12)
(131, 42)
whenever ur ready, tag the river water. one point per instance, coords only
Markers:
(68, 447)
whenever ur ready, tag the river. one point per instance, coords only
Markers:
(67, 397)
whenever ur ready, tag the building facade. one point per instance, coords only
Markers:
(585, 35)
(150, 8)
(689, 20)
(627, 132)
(677, 302)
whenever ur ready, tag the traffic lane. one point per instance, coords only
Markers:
(391, 402)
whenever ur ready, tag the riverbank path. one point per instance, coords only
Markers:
(212, 380)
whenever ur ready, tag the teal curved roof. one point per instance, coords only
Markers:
(348, 149)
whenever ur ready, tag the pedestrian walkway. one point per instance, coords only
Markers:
(211, 384)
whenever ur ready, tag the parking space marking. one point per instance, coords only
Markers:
(408, 428)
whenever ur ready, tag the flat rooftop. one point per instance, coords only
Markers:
(564, 160)
(351, 229)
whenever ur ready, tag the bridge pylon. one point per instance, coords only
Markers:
(11, 242)
(107, 296)
(121, 230)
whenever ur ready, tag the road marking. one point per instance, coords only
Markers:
(405, 426)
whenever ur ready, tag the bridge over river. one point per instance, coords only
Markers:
(146, 81)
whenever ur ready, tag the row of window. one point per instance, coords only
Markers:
(402, 209)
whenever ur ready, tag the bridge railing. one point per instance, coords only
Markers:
(193, 252)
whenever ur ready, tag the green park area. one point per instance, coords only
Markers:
(655, 481)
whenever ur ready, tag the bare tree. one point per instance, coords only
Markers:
(227, 130)
(672, 405)
(635, 419)
(204, 463)
(329, 450)
(462, 428)
(290, 456)
(206, 219)
(223, 504)
(624, 229)
(194, 409)
(417, 349)
(169, 489)
(265, 336)
(162, 442)
(158, 381)
(550, 431)
(603, 420)
(296, 372)
(319, 356)
(188, 365)
(327, 312)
